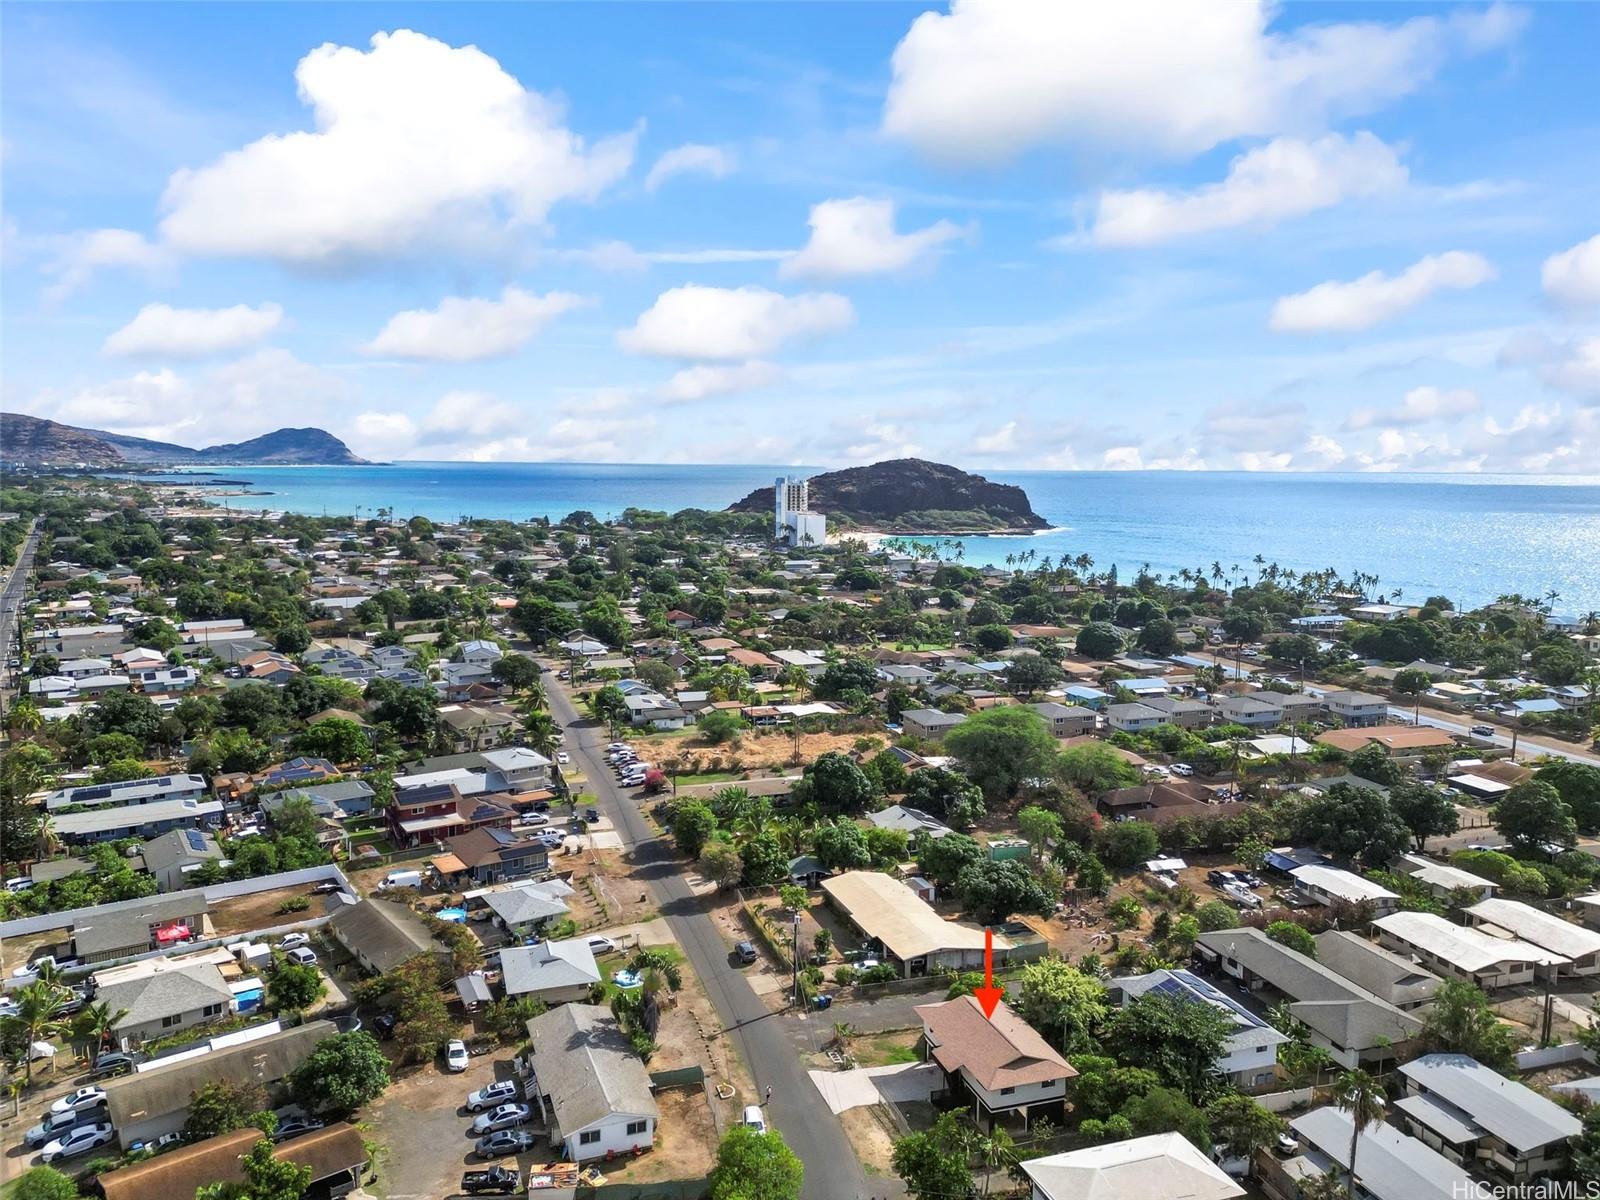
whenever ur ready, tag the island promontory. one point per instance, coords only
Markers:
(912, 496)
(39, 442)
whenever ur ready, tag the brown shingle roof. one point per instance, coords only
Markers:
(999, 1053)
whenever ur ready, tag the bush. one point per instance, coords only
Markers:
(882, 973)
(844, 976)
(295, 904)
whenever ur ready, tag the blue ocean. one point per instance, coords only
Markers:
(1471, 538)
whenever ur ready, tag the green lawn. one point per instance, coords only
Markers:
(612, 963)
(707, 777)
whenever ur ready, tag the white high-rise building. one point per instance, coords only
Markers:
(792, 518)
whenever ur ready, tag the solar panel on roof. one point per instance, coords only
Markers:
(196, 840)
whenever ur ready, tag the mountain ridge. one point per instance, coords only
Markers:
(38, 441)
(912, 496)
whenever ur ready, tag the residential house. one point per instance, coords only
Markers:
(143, 821)
(999, 1061)
(337, 801)
(1470, 954)
(1356, 1027)
(1249, 709)
(1443, 880)
(908, 675)
(1065, 720)
(171, 858)
(1159, 1165)
(909, 820)
(525, 908)
(1387, 975)
(929, 723)
(1398, 741)
(1133, 718)
(155, 1100)
(127, 792)
(1331, 885)
(382, 934)
(126, 928)
(491, 854)
(589, 1086)
(479, 650)
(555, 971)
(922, 942)
(1579, 947)
(1186, 714)
(477, 726)
(166, 679)
(421, 816)
(1088, 697)
(162, 996)
(1357, 708)
(336, 1156)
(1481, 1120)
(1249, 1058)
(1388, 1164)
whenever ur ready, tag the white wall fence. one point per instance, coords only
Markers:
(1284, 1101)
(1550, 1056)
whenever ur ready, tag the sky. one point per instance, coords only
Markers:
(1151, 235)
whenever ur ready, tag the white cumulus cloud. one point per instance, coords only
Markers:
(1420, 406)
(1362, 303)
(705, 381)
(411, 137)
(990, 79)
(1572, 277)
(1287, 177)
(691, 159)
(857, 237)
(95, 250)
(193, 332)
(694, 321)
(466, 329)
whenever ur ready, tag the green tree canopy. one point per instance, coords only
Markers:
(342, 1073)
(1533, 815)
(755, 1166)
(1002, 748)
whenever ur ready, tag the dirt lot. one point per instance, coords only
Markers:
(748, 752)
(686, 1141)
(241, 914)
(423, 1128)
(869, 1134)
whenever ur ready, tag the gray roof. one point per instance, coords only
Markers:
(908, 820)
(1389, 1165)
(549, 965)
(386, 933)
(179, 846)
(933, 717)
(1508, 1110)
(518, 905)
(115, 928)
(166, 993)
(1382, 972)
(586, 1067)
(1346, 1014)
(158, 1091)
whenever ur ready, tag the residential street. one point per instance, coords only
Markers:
(797, 1110)
(16, 586)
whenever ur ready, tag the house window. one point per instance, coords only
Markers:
(212, 1010)
(1007, 1091)
(588, 1137)
(169, 1022)
(637, 1127)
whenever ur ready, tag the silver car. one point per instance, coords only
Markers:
(507, 1116)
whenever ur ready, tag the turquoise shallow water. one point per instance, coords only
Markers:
(1468, 537)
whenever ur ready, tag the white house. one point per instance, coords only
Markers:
(1580, 947)
(1000, 1061)
(1357, 708)
(1134, 718)
(1470, 954)
(1330, 886)
(588, 1084)
(1249, 1057)
(1162, 1166)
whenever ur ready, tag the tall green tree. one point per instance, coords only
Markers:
(1361, 1097)
(1533, 815)
(755, 1166)
(1000, 749)
(934, 1164)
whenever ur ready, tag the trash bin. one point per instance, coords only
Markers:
(825, 1001)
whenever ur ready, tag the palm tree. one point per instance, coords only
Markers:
(541, 731)
(94, 1025)
(1360, 1095)
(997, 1149)
(24, 717)
(38, 1014)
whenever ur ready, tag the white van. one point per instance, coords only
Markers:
(400, 879)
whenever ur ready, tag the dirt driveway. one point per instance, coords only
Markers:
(422, 1124)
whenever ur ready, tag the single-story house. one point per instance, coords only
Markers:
(1331, 885)
(1387, 975)
(524, 908)
(1579, 947)
(1249, 1057)
(909, 820)
(160, 997)
(591, 1088)
(888, 912)
(929, 724)
(553, 971)
(1389, 1165)
(126, 928)
(175, 855)
(1470, 954)
(1160, 1165)
(154, 1101)
(337, 1156)
(382, 934)
(491, 854)
(1442, 879)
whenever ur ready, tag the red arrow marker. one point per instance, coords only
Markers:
(988, 995)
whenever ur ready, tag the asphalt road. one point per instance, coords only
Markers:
(797, 1110)
(12, 594)
(1525, 748)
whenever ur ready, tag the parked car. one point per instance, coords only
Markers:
(491, 1096)
(507, 1116)
(591, 815)
(81, 1100)
(455, 1055)
(746, 952)
(79, 1141)
(506, 1141)
(503, 1180)
(295, 1126)
(291, 940)
(326, 887)
(534, 818)
(303, 955)
(111, 1063)
(601, 945)
(58, 1125)
(563, 757)
(1183, 769)
(1482, 731)
(162, 1144)
(755, 1118)
(1219, 879)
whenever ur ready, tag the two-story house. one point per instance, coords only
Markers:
(1478, 1118)
(1001, 1063)
(1357, 708)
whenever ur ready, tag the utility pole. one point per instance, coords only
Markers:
(795, 955)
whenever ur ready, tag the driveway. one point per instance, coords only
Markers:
(902, 1083)
(812, 1132)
